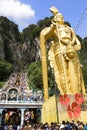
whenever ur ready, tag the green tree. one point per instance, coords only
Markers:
(5, 69)
(1, 84)
(35, 76)
(30, 32)
(44, 23)
(83, 58)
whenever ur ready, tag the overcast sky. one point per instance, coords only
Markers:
(26, 12)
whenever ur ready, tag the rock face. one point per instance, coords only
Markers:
(18, 51)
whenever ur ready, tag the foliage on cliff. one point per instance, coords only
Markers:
(5, 69)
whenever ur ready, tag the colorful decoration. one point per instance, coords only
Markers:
(64, 99)
(79, 98)
(73, 108)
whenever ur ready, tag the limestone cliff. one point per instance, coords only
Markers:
(20, 52)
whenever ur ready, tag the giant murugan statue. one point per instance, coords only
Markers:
(62, 55)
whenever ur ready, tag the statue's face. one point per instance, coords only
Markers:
(59, 18)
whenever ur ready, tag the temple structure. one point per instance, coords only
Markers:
(18, 103)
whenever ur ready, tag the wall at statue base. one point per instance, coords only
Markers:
(63, 113)
(64, 116)
(49, 110)
(54, 111)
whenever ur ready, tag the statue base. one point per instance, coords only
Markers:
(63, 113)
(54, 111)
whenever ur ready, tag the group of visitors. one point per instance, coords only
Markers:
(65, 125)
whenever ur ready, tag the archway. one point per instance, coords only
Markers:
(12, 94)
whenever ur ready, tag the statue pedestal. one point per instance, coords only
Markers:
(54, 111)
(63, 113)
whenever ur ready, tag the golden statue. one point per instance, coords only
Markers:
(62, 55)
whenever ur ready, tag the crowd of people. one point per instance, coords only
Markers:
(65, 125)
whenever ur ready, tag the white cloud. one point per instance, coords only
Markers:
(16, 11)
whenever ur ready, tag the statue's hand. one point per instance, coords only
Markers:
(70, 52)
(53, 23)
